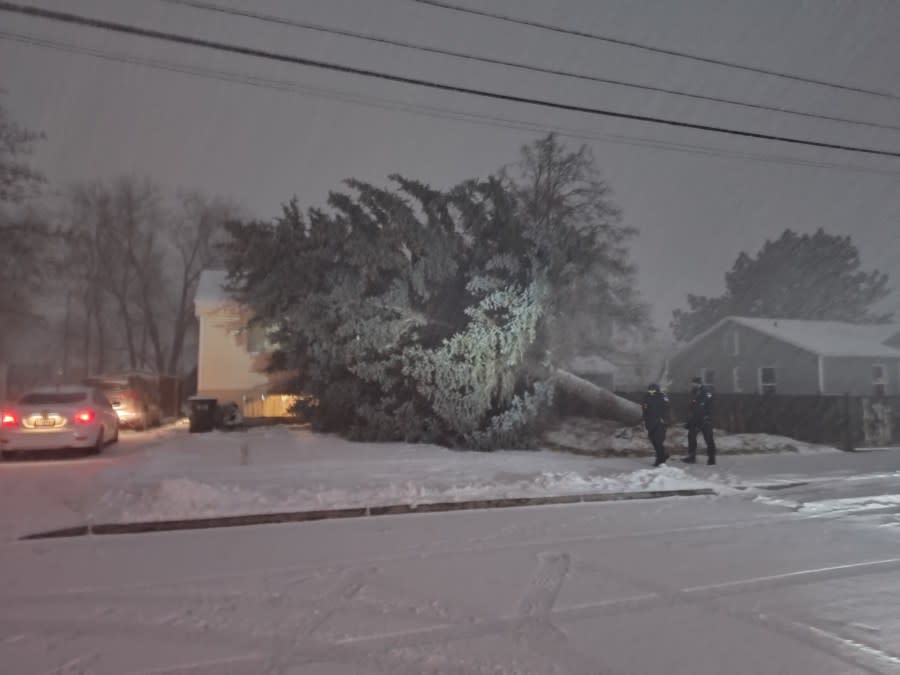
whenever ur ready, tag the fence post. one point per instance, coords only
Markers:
(848, 424)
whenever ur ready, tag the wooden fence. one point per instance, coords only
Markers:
(847, 422)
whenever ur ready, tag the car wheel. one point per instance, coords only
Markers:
(115, 438)
(98, 446)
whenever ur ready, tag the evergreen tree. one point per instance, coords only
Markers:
(416, 314)
(797, 276)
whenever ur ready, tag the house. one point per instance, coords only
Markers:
(783, 356)
(232, 358)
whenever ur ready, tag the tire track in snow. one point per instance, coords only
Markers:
(536, 632)
(541, 594)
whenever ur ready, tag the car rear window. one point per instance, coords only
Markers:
(48, 398)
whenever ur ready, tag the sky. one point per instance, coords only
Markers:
(696, 208)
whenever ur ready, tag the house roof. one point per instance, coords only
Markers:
(823, 338)
(211, 289)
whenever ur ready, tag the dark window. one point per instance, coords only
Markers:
(737, 381)
(708, 375)
(879, 380)
(767, 381)
(58, 398)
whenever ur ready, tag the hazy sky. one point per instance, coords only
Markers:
(695, 210)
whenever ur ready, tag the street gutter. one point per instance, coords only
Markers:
(215, 522)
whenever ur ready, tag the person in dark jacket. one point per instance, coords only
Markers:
(700, 421)
(656, 421)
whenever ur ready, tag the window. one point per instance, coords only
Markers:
(708, 375)
(879, 380)
(257, 339)
(767, 380)
(737, 385)
(731, 342)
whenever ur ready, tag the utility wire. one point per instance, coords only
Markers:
(658, 50)
(130, 29)
(305, 25)
(429, 111)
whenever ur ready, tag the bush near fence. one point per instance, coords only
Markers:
(846, 422)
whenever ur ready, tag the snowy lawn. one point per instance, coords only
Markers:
(283, 469)
(608, 439)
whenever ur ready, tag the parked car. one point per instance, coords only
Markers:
(57, 418)
(134, 398)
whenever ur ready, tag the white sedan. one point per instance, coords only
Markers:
(56, 418)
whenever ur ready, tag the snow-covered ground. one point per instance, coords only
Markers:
(51, 490)
(172, 475)
(610, 439)
(281, 469)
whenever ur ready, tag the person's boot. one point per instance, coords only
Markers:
(660, 460)
(711, 460)
(690, 459)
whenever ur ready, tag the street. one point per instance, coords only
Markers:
(768, 581)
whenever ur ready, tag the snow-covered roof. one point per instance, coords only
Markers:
(592, 365)
(823, 338)
(211, 289)
(829, 338)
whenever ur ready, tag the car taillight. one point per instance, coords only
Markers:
(9, 420)
(84, 417)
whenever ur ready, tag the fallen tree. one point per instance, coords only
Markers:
(423, 315)
(603, 402)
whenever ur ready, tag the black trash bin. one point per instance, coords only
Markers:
(203, 413)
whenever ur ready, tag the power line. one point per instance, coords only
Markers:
(430, 111)
(305, 25)
(130, 29)
(658, 50)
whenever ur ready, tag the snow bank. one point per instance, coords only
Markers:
(281, 469)
(610, 438)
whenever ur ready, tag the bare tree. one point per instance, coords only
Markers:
(137, 261)
(112, 232)
(22, 231)
(195, 236)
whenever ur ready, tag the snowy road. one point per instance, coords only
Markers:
(695, 586)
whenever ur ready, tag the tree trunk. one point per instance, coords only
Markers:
(128, 325)
(101, 339)
(88, 321)
(606, 404)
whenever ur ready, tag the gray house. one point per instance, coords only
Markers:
(767, 356)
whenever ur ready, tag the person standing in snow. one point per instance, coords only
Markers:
(700, 421)
(656, 421)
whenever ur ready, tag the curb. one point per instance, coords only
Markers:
(356, 512)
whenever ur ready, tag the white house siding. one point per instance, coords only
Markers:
(225, 368)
